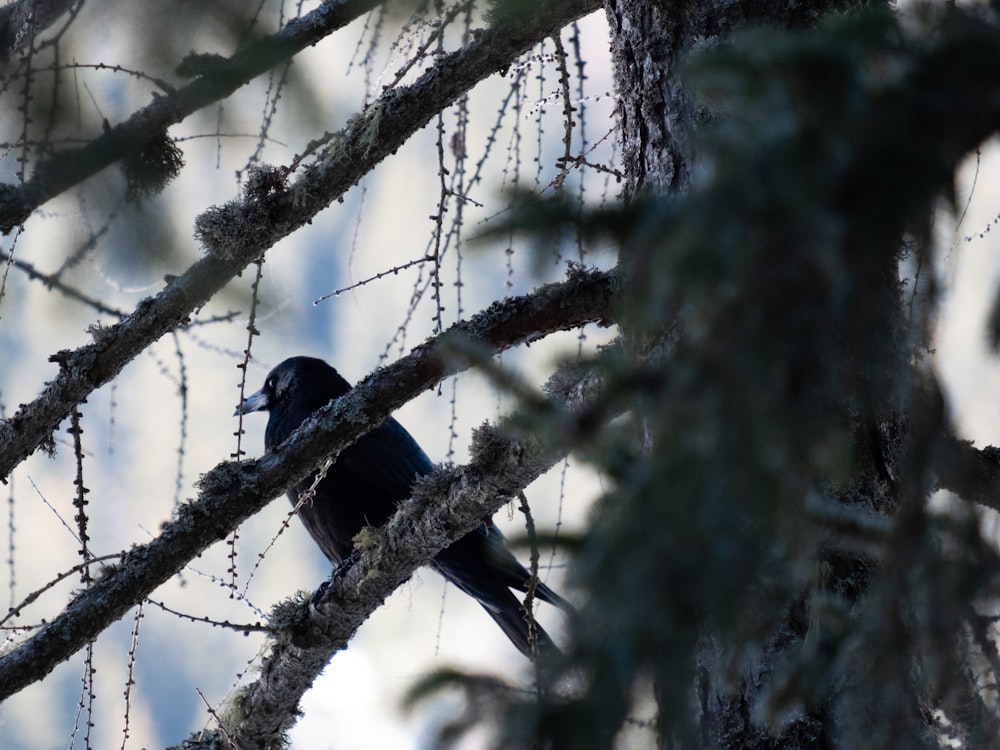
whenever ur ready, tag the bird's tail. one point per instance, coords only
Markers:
(530, 639)
(546, 594)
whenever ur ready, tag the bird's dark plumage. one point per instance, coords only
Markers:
(368, 480)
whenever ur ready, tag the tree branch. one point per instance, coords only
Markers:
(239, 232)
(971, 473)
(445, 506)
(52, 281)
(22, 21)
(231, 492)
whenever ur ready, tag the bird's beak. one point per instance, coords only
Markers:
(254, 402)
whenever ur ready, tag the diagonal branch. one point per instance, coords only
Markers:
(231, 492)
(22, 20)
(52, 281)
(445, 506)
(971, 473)
(240, 232)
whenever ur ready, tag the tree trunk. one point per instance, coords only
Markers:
(648, 40)
(657, 120)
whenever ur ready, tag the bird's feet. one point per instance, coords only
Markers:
(320, 593)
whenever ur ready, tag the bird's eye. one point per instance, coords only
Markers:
(271, 384)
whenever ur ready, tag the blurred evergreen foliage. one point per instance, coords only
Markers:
(765, 550)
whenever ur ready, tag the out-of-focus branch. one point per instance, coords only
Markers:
(52, 281)
(231, 492)
(67, 168)
(971, 473)
(240, 232)
(22, 20)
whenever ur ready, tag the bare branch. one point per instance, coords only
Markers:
(52, 281)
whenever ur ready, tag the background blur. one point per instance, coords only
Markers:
(167, 418)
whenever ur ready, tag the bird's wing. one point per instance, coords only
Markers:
(385, 463)
(479, 563)
(388, 460)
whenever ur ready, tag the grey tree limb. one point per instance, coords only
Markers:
(971, 473)
(446, 506)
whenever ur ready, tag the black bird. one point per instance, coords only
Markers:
(370, 478)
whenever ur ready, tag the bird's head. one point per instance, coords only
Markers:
(304, 382)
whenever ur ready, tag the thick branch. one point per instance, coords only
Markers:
(446, 506)
(231, 492)
(238, 233)
(971, 473)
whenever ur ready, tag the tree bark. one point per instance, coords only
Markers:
(657, 121)
(649, 39)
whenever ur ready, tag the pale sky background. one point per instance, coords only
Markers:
(132, 429)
